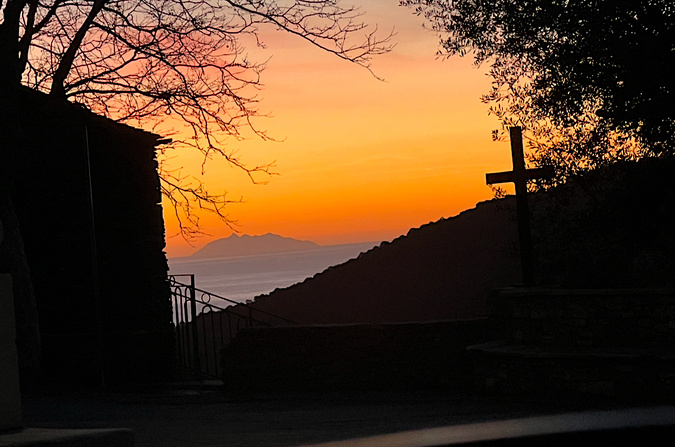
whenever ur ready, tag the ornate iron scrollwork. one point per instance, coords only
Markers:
(205, 322)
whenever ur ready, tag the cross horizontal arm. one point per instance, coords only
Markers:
(510, 176)
(499, 177)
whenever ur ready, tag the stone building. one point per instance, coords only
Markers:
(87, 197)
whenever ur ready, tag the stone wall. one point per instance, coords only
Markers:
(358, 357)
(599, 318)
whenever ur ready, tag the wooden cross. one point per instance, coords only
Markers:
(520, 176)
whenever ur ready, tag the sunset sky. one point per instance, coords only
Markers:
(361, 159)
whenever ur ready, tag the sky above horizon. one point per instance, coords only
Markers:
(358, 159)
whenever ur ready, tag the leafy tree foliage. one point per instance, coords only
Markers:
(146, 60)
(591, 80)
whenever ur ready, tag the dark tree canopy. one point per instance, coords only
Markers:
(596, 69)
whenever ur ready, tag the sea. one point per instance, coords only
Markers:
(243, 278)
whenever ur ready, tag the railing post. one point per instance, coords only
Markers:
(186, 314)
(193, 321)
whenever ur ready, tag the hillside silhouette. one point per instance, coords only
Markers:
(610, 228)
(443, 270)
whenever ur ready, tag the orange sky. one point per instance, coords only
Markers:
(361, 160)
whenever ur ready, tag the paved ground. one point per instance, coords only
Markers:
(203, 415)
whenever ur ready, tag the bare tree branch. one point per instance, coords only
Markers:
(147, 61)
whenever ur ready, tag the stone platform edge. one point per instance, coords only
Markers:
(47, 437)
(618, 428)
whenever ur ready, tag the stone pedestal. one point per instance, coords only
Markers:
(607, 343)
(10, 410)
(10, 397)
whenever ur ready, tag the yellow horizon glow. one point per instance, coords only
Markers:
(362, 159)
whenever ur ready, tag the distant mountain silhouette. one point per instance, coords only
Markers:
(246, 245)
(610, 228)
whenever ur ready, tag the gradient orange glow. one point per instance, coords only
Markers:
(361, 159)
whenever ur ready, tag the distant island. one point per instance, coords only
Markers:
(245, 245)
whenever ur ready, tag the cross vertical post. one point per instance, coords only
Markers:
(522, 208)
(519, 176)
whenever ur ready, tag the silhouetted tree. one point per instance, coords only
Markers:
(591, 80)
(146, 60)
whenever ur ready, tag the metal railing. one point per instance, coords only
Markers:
(206, 322)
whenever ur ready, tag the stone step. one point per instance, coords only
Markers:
(47, 437)
(629, 373)
(578, 318)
